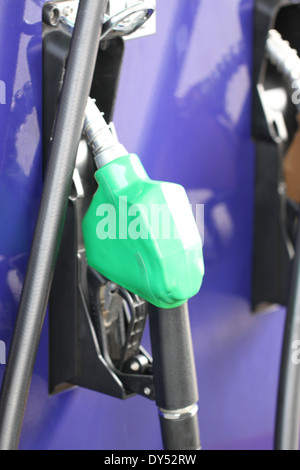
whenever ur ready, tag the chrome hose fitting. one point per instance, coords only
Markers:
(101, 140)
(179, 415)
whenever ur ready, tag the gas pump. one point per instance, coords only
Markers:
(109, 266)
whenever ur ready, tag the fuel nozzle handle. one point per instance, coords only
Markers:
(127, 245)
(139, 233)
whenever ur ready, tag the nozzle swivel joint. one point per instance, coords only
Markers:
(102, 141)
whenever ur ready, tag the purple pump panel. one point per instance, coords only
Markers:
(184, 107)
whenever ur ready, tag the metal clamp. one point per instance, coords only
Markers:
(123, 23)
(127, 21)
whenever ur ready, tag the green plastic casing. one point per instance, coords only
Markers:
(142, 235)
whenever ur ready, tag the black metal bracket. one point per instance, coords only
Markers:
(273, 127)
(95, 328)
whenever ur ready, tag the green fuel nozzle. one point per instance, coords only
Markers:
(139, 233)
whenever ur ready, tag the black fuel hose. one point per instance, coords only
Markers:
(175, 379)
(287, 431)
(62, 157)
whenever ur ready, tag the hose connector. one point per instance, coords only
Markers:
(103, 142)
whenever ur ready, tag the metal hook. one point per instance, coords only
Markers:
(127, 21)
(121, 24)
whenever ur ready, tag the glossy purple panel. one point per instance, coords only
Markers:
(184, 107)
(20, 148)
